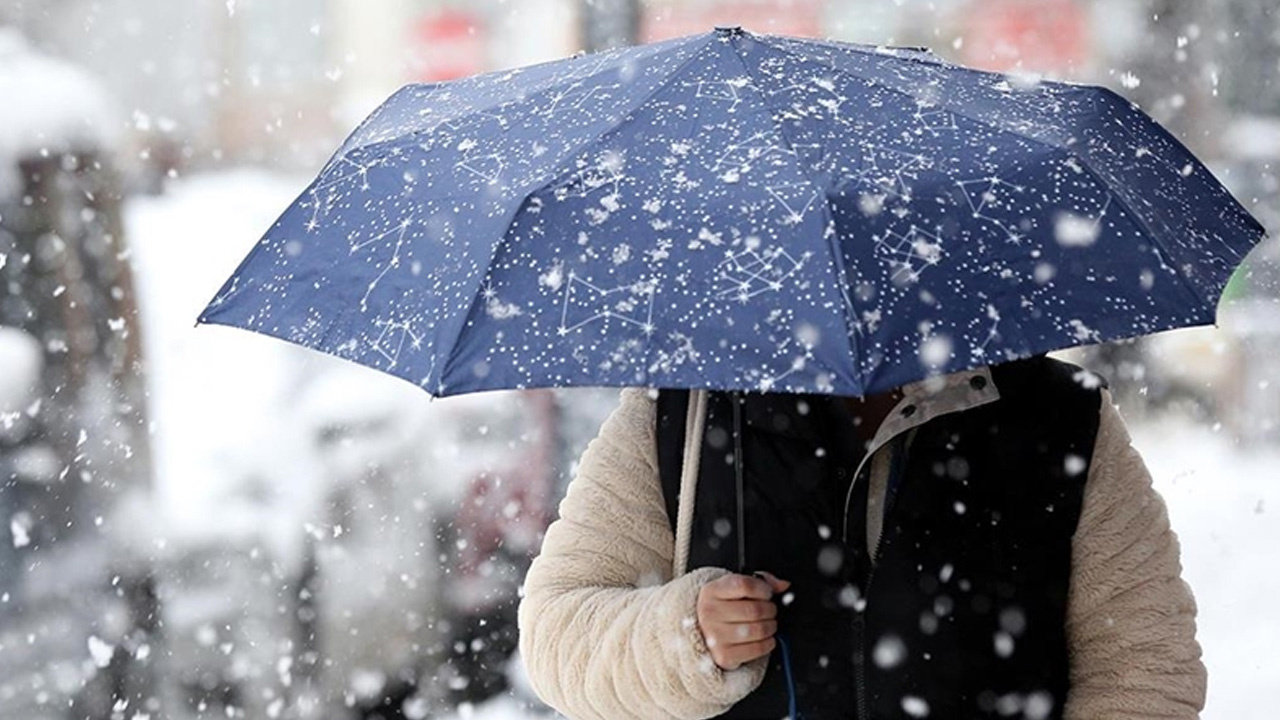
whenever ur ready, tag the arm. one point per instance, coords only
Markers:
(605, 632)
(1130, 618)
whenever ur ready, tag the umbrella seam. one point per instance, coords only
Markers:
(951, 108)
(870, 51)
(932, 59)
(658, 87)
(1124, 204)
(535, 187)
(1086, 164)
(481, 109)
(1122, 199)
(1215, 187)
(847, 305)
(904, 93)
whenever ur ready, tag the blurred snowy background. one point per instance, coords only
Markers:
(207, 523)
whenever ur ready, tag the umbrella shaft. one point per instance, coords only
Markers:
(738, 479)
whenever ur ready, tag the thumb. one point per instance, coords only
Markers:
(777, 584)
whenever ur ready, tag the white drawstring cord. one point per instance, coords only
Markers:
(695, 422)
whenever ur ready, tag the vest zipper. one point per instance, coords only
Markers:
(859, 671)
(860, 623)
(860, 627)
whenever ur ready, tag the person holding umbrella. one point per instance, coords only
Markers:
(828, 275)
(1003, 553)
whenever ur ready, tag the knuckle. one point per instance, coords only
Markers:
(757, 650)
(713, 643)
(724, 658)
(711, 589)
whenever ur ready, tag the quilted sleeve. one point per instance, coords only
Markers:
(1131, 618)
(605, 632)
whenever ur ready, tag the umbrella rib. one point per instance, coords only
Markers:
(1121, 197)
(904, 93)
(871, 51)
(536, 186)
(847, 308)
(472, 112)
(658, 87)
(931, 59)
(1153, 235)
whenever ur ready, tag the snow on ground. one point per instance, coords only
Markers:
(214, 388)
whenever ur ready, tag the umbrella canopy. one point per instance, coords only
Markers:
(739, 212)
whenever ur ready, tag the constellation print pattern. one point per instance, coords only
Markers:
(486, 167)
(812, 101)
(727, 90)
(993, 333)
(814, 156)
(934, 119)
(989, 195)
(910, 253)
(585, 302)
(1072, 228)
(748, 273)
(392, 263)
(738, 211)
(574, 98)
(890, 170)
(392, 337)
(322, 195)
(795, 199)
(604, 174)
(769, 383)
(739, 158)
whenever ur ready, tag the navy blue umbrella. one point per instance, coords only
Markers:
(739, 212)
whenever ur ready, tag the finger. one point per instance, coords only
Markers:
(735, 587)
(736, 611)
(736, 655)
(775, 583)
(727, 635)
(749, 632)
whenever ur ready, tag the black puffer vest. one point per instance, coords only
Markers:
(963, 614)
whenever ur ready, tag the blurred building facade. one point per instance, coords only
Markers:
(75, 445)
(278, 82)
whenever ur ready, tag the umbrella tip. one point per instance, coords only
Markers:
(729, 30)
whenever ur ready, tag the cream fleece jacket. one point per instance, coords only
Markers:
(607, 634)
